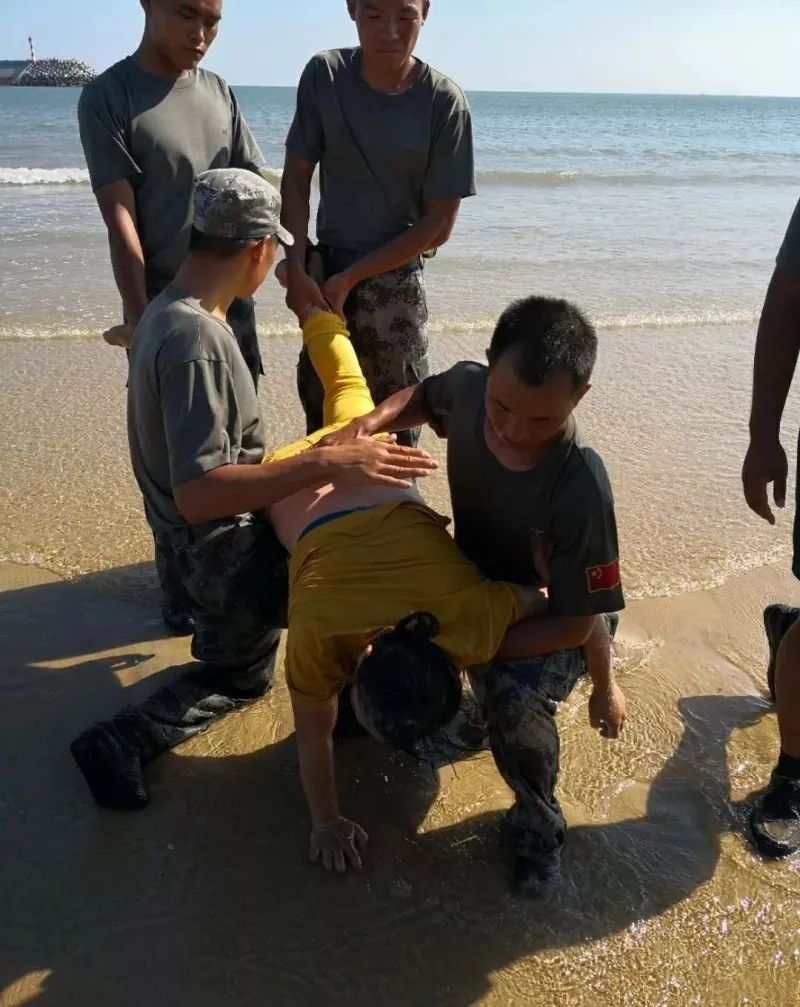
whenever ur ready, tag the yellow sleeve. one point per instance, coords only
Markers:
(346, 393)
(314, 669)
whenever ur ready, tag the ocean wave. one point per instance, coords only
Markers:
(605, 322)
(555, 179)
(44, 176)
(70, 176)
(443, 325)
(485, 177)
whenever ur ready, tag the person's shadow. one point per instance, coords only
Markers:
(206, 897)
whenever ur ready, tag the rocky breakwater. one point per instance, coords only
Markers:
(56, 73)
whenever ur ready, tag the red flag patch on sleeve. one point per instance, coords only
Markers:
(603, 578)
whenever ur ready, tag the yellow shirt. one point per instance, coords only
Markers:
(362, 573)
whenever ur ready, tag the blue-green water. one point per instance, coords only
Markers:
(649, 210)
(661, 216)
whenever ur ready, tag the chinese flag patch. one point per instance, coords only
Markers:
(603, 578)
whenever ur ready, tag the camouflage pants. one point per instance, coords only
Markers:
(242, 319)
(387, 317)
(235, 573)
(520, 700)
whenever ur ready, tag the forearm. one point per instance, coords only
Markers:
(127, 263)
(777, 350)
(597, 655)
(295, 214)
(314, 725)
(546, 635)
(241, 489)
(401, 411)
(426, 233)
(317, 774)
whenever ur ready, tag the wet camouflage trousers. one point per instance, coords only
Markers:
(387, 317)
(235, 574)
(242, 319)
(520, 700)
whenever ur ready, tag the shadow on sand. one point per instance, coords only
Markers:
(205, 897)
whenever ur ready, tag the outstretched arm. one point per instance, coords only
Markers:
(401, 411)
(334, 840)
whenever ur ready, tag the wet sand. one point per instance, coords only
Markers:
(206, 898)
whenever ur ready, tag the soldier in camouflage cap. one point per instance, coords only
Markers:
(196, 440)
(237, 204)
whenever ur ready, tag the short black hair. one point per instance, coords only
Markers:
(546, 337)
(407, 686)
(222, 248)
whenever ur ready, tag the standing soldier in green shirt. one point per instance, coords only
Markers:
(148, 126)
(775, 816)
(393, 140)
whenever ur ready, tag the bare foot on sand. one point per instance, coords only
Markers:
(119, 335)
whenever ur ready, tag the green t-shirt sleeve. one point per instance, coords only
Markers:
(202, 422)
(789, 255)
(103, 137)
(584, 564)
(245, 152)
(451, 163)
(306, 138)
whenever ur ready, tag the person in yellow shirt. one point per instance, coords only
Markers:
(381, 599)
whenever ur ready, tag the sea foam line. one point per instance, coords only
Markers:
(44, 176)
(485, 177)
(447, 325)
(66, 176)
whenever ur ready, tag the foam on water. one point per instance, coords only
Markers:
(44, 176)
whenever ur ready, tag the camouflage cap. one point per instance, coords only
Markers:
(238, 204)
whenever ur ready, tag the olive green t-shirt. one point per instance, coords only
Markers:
(502, 517)
(159, 134)
(192, 406)
(380, 155)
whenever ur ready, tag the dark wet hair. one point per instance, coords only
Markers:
(545, 337)
(407, 686)
(222, 248)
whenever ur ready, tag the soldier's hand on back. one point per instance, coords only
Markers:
(367, 462)
(355, 430)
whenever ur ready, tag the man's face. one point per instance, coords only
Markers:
(388, 29)
(522, 419)
(182, 30)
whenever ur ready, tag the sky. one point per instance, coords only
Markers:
(646, 46)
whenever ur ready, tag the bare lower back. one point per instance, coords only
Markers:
(291, 516)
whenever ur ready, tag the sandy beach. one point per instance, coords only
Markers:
(206, 897)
